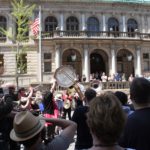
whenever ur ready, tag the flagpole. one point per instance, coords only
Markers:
(40, 48)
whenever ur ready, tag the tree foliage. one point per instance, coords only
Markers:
(21, 14)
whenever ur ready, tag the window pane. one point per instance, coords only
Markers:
(146, 66)
(22, 63)
(47, 66)
(145, 55)
(47, 56)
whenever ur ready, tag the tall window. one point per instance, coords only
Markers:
(132, 25)
(72, 24)
(3, 24)
(47, 62)
(93, 24)
(22, 63)
(50, 23)
(113, 24)
(1, 63)
(146, 60)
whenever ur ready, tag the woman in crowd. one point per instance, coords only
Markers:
(50, 111)
(106, 121)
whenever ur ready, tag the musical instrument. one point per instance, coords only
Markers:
(67, 104)
(96, 85)
(66, 77)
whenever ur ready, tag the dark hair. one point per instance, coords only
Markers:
(21, 89)
(90, 94)
(6, 106)
(48, 103)
(122, 97)
(139, 90)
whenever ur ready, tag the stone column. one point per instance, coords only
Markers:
(138, 61)
(104, 22)
(123, 23)
(11, 28)
(86, 67)
(83, 22)
(57, 56)
(113, 60)
(61, 21)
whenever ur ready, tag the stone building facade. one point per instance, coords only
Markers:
(92, 36)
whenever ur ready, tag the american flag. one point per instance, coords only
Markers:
(35, 26)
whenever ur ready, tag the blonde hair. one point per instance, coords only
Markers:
(106, 118)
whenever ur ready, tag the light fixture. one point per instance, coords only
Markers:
(111, 29)
(73, 55)
(129, 57)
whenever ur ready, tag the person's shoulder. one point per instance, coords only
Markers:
(82, 109)
(59, 142)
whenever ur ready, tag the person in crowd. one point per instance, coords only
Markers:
(104, 77)
(123, 98)
(67, 105)
(136, 134)
(6, 124)
(84, 138)
(28, 130)
(131, 78)
(25, 99)
(117, 77)
(59, 103)
(96, 75)
(9, 89)
(123, 77)
(78, 101)
(111, 78)
(50, 111)
(106, 121)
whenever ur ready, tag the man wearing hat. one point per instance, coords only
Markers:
(27, 129)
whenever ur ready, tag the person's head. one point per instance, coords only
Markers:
(6, 106)
(47, 98)
(21, 91)
(122, 97)
(26, 128)
(139, 91)
(106, 118)
(89, 94)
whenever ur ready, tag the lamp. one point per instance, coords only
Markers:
(129, 57)
(111, 29)
(73, 55)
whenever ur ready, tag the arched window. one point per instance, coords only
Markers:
(113, 24)
(132, 25)
(3, 24)
(93, 24)
(72, 24)
(50, 23)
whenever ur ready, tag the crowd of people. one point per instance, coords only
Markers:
(107, 78)
(43, 121)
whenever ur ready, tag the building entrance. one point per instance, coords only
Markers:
(97, 63)
(73, 58)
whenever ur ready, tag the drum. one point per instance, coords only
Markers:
(66, 77)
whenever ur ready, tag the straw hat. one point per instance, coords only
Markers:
(26, 126)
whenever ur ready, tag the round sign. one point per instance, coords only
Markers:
(65, 76)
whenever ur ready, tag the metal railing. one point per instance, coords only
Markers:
(95, 34)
